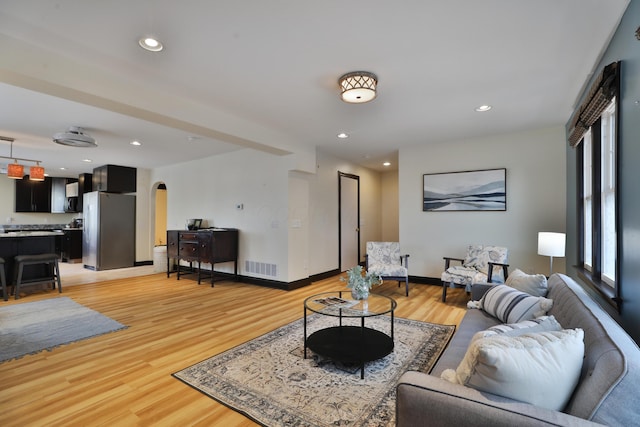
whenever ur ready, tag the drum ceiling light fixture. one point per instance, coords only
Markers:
(358, 87)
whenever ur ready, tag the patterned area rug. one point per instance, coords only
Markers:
(268, 380)
(32, 327)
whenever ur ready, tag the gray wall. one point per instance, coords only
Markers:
(626, 48)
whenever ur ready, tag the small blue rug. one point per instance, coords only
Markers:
(32, 327)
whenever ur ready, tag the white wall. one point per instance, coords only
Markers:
(298, 224)
(390, 208)
(289, 218)
(323, 210)
(536, 198)
(145, 227)
(211, 188)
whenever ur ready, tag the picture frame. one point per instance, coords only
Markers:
(476, 190)
(194, 224)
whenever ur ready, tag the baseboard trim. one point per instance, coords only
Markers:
(297, 284)
(325, 275)
(286, 286)
(425, 280)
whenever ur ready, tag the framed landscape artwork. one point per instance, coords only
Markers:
(481, 190)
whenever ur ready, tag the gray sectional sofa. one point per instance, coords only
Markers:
(608, 391)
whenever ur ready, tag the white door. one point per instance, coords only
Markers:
(349, 191)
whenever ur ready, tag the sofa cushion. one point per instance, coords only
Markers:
(539, 324)
(512, 306)
(533, 284)
(539, 368)
(472, 322)
(608, 390)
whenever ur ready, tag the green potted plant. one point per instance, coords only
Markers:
(360, 282)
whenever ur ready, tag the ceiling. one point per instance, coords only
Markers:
(263, 75)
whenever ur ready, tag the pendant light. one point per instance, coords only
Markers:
(16, 171)
(36, 173)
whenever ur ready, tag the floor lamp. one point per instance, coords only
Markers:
(551, 244)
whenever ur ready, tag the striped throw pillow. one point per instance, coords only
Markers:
(512, 306)
(539, 324)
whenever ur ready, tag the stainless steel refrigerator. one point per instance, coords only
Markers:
(109, 230)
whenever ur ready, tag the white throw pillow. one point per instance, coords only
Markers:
(541, 368)
(512, 306)
(533, 284)
(539, 324)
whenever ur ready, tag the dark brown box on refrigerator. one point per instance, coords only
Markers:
(114, 179)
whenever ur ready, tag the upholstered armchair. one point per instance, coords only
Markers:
(476, 267)
(384, 259)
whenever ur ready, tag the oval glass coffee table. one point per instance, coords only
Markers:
(347, 343)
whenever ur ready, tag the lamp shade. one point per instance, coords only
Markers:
(15, 170)
(551, 244)
(36, 173)
(358, 87)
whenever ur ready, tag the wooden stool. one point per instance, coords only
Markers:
(3, 279)
(48, 259)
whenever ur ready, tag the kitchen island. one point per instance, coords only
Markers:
(16, 243)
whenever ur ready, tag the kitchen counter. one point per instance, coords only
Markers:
(30, 233)
(28, 242)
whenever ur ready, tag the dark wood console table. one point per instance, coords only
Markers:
(210, 246)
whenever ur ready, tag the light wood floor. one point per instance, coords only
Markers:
(124, 378)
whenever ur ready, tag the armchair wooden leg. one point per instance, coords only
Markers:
(444, 291)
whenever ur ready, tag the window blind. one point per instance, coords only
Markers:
(602, 91)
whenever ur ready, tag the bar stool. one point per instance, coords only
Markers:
(47, 259)
(3, 279)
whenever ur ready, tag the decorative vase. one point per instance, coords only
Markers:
(359, 293)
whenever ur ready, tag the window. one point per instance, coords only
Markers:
(587, 200)
(608, 195)
(594, 132)
(598, 201)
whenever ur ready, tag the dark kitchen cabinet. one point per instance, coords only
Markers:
(58, 196)
(114, 179)
(33, 196)
(72, 245)
(85, 185)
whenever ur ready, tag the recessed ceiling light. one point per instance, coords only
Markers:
(483, 108)
(386, 164)
(343, 135)
(136, 143)
(63, 169)
(87, 160)
(150, 43)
